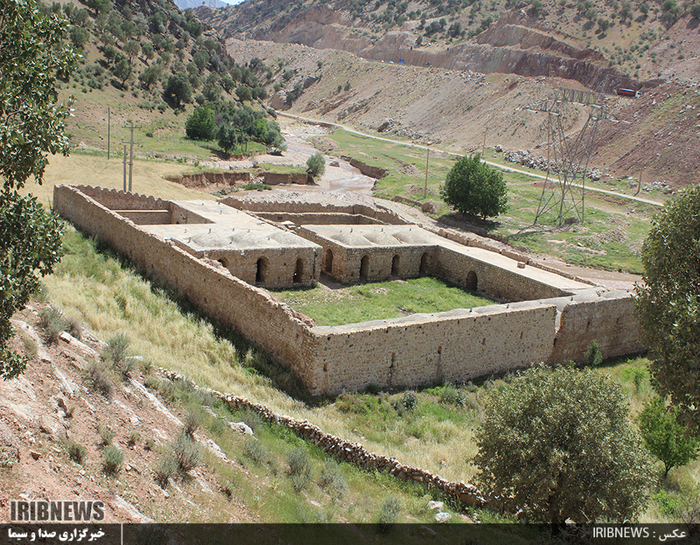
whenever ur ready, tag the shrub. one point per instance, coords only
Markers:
(581, 461)
(164, 469)
(76, 451)
(331, 480)
(473, 188)
(53, 323)
(106, 435)
(116, 354)
(97, 377)
(254, 450)
(252, 419)
(186, 452)
(409, 401)
(299, 468)
(134, 437)
(112, 460)
(594, 357)
(449, 395)
(387, 515)
(191, 423)
(149, 444)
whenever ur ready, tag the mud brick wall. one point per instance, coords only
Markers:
(118, 200)
(147, 217)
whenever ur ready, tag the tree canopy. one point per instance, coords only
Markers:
(558, 445)
(316, 165)
(475, 189)
(668, 304)
(32, 56)
(201, 125)
(665, 437)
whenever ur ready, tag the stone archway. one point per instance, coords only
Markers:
(396, 265)
(364, 268)
(298, 272)
(261, 270)
(472, 281)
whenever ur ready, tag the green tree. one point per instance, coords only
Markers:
(244, 93)
(558, 445)
(122, 70)
(316, 165)
(150, 76)
(100, 6)
(695, 10)
(147, 50)
(473, 188)
(201, 125)
(668, 304)
(32, 56)
(665, 437)
(229, 137)
(78, 36)
(178, 88)
(132, 49)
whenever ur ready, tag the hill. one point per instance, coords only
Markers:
(471, 86)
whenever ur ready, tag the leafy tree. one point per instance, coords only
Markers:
(665, 438)
(695, 10)
(668, 304)
(110, 53)
(147, 50)
(473, 188)
(201, 125)
(150, 76)
(132, 49)
(78, 36)
(32, 56)
(558, 445)
(244, 93)
(178, 88)
(229, 137)
(122, 70)
(100, 6)
(316, 165)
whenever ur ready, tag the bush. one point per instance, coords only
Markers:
(115, 352)
(332, 481)
(98, 379)
(134, 437)
(594, 356)
(76, 451)
(316, 165)
(186, 452)
(389, 512)
(559, 445)
(191, 424)
(112, 460)
(164, 469)
(53, 323)
(449, 395)
(254, 450)
(106, 435)
(409, 401)
(299, 462)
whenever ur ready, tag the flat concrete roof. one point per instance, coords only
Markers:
(396, 236)
(231, 229)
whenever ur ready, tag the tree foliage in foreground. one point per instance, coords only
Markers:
(558, 445)
(32, 56)
(668, 304)
(316, 165)
(475, 189)
(665, 437)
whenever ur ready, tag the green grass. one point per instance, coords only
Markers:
(379, 300)
(281, 169)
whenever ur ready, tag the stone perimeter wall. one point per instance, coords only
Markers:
(402, 352)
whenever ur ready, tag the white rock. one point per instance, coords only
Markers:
(442, 517)
(436, 505)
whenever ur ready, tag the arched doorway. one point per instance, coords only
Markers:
(471, 281)
(396, 265)
(328, 262)
(260, 270)
(364, 268)
(298, 272)
(424, 264)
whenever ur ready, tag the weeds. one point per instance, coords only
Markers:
(449, 395)
(186, 452)
(149, 444)
(255, 451)
(76, 452)
(106, 435)
(164, 470)
(299, 468)
(134, 437)
(115, 353)
(332, 481)
(191, 423)
(112, 460)
(409, 401)
(594, 356)
(387, 515)
(98, 378)
(53, 323)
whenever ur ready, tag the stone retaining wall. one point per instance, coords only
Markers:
(348, 451)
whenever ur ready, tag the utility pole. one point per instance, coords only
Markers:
(109, 126)
(131, 156)
(125, 167)
(427, 160)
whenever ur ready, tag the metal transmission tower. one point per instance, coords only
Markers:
(568, 156)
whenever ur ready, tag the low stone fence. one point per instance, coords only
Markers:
(347, 451)
(367, 170)
(204, 179)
